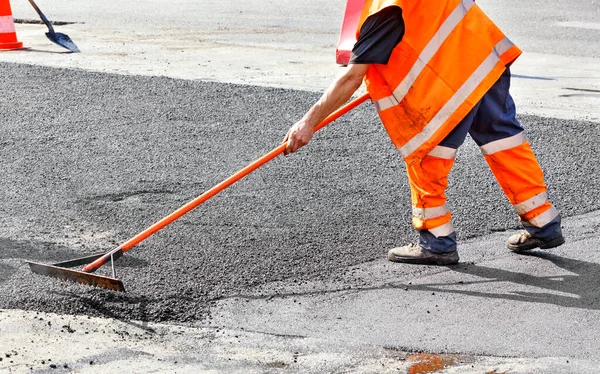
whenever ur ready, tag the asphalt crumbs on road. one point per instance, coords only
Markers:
(90, 159)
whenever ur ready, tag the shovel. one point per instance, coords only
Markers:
(55, 37)
(61, 270)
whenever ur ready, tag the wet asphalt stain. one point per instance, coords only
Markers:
(114, 154)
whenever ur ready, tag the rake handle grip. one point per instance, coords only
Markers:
(214, 190)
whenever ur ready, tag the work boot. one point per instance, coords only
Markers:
(524, 242)
(414, 254)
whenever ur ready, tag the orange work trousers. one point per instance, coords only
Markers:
(494, 127)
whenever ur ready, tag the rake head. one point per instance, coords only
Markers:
(61, 271)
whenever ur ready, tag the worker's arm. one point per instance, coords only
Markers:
(335, 96)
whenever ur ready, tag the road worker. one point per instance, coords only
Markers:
(435, 71)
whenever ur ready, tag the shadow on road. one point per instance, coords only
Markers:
(101, 307)
(582, 284)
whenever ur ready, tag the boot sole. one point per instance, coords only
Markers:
(422, 261)
(553, 243)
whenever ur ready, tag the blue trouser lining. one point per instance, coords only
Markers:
(549, 231)
(429, 242)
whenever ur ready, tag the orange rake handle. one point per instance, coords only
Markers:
(118, 252)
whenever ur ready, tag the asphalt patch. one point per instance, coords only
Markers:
(91, 159)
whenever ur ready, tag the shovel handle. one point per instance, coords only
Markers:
(42, 16)
(118, 252)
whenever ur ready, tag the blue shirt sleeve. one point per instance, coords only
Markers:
(379, 35)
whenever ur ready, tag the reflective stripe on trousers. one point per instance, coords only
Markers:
(428, 180)
(522, 181)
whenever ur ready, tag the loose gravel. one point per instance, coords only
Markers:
(89, 159)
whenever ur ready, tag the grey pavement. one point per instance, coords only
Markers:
(543, 304)
(291, 44)
(285, 271)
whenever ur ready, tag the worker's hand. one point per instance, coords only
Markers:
(298, 136)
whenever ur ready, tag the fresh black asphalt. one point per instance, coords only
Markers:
(84, 153)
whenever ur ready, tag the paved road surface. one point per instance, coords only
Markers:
(91, 158)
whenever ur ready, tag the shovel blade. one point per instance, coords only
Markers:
(77, 276)
(62, 40)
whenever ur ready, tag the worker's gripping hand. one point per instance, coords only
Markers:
(298, 136)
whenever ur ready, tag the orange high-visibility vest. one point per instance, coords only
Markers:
(450, 56)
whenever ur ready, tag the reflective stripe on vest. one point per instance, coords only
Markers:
(443, 230)
(451, 54)
(503, 144)
(443, 152)
(428, 213)
(428, 52)
(543, 219)
(532, 203)
(458, 98)
(6, 24)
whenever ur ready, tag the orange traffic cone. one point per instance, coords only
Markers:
(8, 35)
(348, 33)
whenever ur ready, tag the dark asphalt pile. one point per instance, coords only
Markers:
(89, 159)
